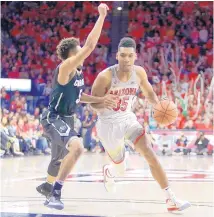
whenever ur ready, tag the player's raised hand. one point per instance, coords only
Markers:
(103, 8)
(110, 101)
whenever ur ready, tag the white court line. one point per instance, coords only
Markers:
(129, 172)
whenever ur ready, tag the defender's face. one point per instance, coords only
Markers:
(126, 57)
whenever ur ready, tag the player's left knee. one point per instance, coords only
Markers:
(143, 145)
(76, 146)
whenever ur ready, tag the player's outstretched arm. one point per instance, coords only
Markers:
(145, 86)
(73, 62)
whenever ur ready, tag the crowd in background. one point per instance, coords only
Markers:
(174, 45)
(31, 32)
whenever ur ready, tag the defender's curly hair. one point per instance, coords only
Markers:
(65, 46)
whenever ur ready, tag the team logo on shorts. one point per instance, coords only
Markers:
(62, 129)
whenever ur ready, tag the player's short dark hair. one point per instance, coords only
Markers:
(65, 46)
(127, 42)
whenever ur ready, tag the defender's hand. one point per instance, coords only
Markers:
(103, 8)
(110, 101)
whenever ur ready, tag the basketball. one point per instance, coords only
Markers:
(165, 112)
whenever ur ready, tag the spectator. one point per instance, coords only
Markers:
(88, 123)
(189, 125)
(181, 144)
(47, 89)
(201, 144)
(77, 124)
(203, 34)
(5, 103)
(164, 146)
(96, 144)
(4, 145)
(41, 142)
(12, 141)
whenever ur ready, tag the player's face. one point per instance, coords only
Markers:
(126, 57)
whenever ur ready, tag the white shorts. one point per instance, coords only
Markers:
(113, 132)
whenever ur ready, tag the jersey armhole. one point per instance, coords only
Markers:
(113, 75)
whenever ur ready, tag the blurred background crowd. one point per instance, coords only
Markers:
(174, 45)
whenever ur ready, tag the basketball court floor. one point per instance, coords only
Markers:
(84, 194)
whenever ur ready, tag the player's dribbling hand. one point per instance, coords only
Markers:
(110, 101)
(103, 8)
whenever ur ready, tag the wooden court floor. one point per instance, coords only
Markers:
(137, 193)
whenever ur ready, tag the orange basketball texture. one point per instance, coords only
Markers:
(165, 112)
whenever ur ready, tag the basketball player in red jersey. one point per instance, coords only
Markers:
(123, 80)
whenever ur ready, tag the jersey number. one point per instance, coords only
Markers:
(122, 104)
(80, 94)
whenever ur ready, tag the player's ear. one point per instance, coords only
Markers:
(117, 56)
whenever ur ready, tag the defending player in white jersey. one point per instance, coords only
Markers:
(114, 125)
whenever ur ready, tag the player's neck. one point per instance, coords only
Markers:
(123, 75)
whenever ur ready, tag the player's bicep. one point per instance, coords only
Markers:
(100, 86)
(146, 87)
(144, 84)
